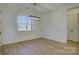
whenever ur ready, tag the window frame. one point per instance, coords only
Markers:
(23, 23)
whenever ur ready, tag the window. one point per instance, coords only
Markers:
(24, 23)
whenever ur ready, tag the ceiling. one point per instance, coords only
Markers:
(39, 7)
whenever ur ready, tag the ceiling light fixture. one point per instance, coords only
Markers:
(33, 17)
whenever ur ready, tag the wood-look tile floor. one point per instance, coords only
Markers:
(40, 46)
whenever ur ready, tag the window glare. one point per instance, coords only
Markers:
(24, 23)
(21, 19)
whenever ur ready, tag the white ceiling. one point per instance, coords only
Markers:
(41, 7)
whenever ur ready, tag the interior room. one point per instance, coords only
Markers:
(39, 29)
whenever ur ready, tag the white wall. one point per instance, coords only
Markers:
(11, 35)
(54, 24)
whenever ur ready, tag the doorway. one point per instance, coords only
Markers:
(72, 24)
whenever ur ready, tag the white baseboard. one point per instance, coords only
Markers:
(32, 38)
(62, 41)
(20, 40)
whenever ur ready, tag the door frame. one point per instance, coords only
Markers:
(76, 13)
(2, 30)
